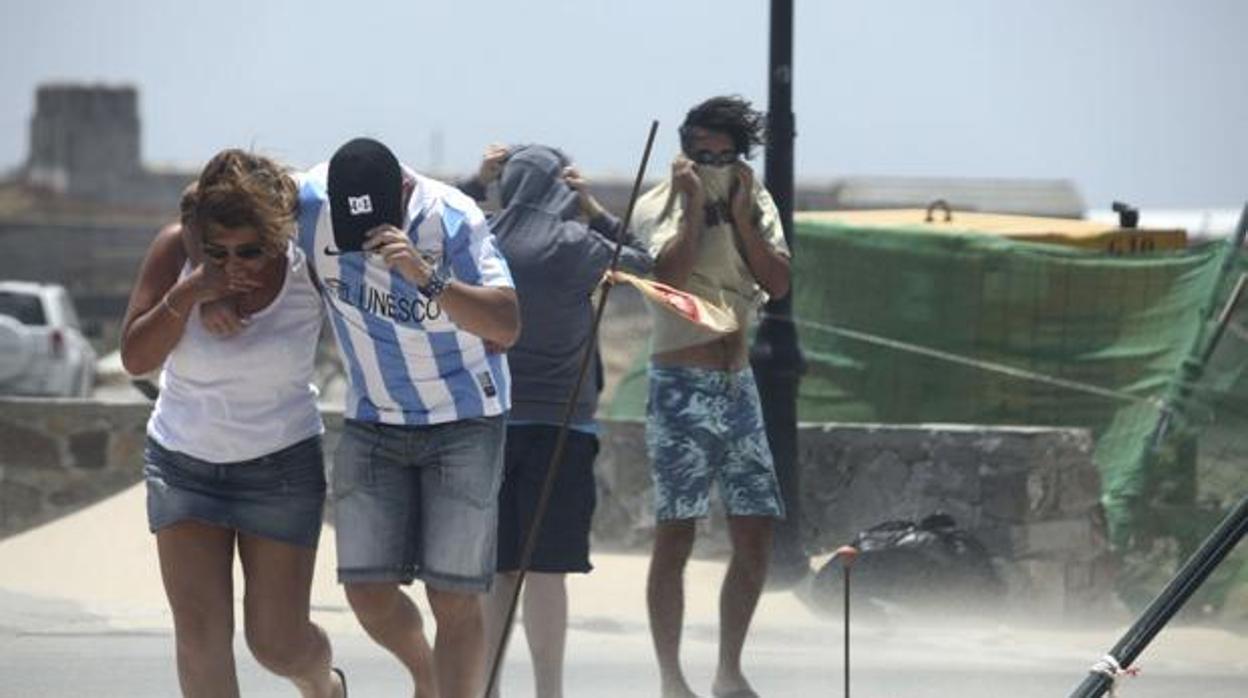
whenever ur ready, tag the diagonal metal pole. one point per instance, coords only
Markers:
(1215, 548)
(556, 457)
(1194, 572)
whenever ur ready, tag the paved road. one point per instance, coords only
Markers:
(82, 613)
(53, 649)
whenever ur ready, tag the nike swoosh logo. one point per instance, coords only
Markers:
(331, 252)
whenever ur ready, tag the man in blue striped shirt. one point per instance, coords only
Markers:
(422, 304)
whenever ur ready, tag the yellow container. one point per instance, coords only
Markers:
(1055, 231)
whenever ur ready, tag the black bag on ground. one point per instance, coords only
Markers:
(913, 565)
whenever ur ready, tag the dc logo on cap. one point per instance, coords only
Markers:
(360, 205)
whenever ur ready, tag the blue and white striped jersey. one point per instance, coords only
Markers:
(406, 361)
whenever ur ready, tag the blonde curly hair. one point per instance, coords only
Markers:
(241, 189)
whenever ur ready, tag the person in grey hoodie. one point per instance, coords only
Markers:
(556, 261)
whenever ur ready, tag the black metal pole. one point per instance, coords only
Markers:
(848, 555)
(846, 602)
(775, 356)
(1194, 572)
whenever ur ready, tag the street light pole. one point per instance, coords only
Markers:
(775, 356)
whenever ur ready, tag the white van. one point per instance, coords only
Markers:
(42, 347)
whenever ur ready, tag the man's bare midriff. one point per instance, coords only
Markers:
(728, 353)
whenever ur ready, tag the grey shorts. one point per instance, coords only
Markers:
(280, 496)
(704, 425)
(418, 502)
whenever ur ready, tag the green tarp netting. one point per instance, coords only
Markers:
(1134, 325)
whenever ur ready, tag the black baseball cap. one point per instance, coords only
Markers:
(365, 190)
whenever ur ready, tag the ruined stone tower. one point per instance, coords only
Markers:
(84, 140)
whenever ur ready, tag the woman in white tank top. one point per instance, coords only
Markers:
(233, 458)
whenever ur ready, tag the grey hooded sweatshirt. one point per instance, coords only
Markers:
(556, 262)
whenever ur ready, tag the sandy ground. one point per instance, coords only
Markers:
(82, 612)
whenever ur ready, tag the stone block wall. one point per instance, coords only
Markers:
(58, 456)
(1029, 495)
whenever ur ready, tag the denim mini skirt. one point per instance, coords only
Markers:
(280, 496)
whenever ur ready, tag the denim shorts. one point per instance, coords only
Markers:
(280, 496)
(704, 425)
(563, 540)
(418, 502)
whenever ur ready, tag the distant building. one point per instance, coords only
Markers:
(82, 139)
(1052, 198)
(85, 144)
(83, 207)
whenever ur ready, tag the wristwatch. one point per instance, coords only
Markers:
(437, 283)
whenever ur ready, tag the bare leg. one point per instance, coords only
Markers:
(391, 618)
(275, 611)
(546, 627)
(496, 604)
(195, 563)
(747, 571)
(665, 597)
(459, 649)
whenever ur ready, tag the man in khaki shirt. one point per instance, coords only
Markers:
(714, 232)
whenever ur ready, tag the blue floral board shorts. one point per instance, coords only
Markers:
(705, 425)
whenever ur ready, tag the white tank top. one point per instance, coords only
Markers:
(248, 395)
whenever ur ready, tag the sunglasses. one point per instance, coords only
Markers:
(710, 157)
(244, 252)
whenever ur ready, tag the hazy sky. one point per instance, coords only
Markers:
(1144, 100)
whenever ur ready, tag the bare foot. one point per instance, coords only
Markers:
(426, 688)
(338, 683)
(732, 686)
(677, 689)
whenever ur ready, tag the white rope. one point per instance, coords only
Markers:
(990, 366)
(1108, 666)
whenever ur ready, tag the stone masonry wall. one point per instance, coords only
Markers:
(1029, 495)
(58, 456)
